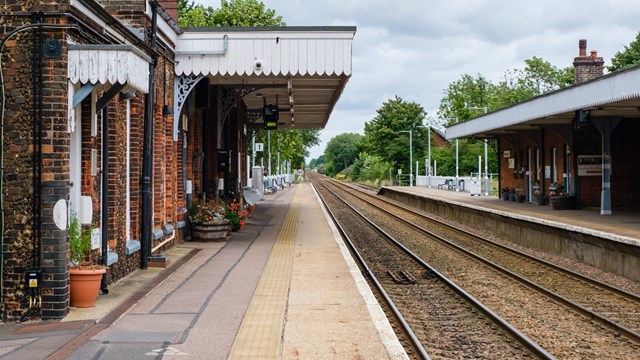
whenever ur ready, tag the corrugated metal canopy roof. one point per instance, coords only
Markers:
(612, 95)
(301, 69)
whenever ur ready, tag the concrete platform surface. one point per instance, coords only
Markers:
(283, 287)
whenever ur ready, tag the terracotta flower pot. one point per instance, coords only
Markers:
(84, 286)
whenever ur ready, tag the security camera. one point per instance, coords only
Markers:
(258, 65)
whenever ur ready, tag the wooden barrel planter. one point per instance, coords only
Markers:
(210, 231)
(563, 202)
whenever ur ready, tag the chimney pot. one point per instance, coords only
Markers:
(594, 54)
(583, 47)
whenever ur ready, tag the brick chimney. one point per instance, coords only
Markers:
(171, 8)
(587, 67)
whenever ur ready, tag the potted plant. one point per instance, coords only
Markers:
(541, 198)
(520, 196)
(561, 200)
(207, 220)
(180, 212)
(236, 215)
(504, 194)
(84, 276)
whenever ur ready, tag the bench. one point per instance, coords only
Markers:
(448, 184)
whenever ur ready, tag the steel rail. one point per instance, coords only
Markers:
(582, 277)
(531, 345)
(632, 335)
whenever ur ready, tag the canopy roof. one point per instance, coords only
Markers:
(109, 64)
(303, 70)
(612, 95)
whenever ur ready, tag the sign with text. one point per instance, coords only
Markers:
(270, 116)
(589, 165)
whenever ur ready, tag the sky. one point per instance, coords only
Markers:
(415, 48)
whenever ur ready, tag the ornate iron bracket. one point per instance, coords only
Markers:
(184, 84)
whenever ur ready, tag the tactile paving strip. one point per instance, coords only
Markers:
(260, 334)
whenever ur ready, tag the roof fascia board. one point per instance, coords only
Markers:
(100, 16)
(604, 90)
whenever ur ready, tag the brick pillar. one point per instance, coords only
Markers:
(587, 67)
(55, 262)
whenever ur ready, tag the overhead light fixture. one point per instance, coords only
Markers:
(167, 110)
(127, 95)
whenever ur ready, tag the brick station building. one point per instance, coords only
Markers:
(580, 139)
(112, 112)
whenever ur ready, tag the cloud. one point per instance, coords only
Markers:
(416, 48)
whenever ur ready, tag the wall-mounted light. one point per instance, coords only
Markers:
(127, 95)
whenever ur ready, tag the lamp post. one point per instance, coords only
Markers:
(486, 164)
(410, 131)
(428, 167)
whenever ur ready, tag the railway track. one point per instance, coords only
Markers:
(443, 317)
(596, 320)
(613, 306)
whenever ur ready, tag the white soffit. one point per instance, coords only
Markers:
(281, 51)
(605, 90)
(109, 64)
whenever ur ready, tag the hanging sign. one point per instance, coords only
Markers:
(589, 165)
(270, 116)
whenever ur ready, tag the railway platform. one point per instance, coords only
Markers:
(608, 242)
(285, 286)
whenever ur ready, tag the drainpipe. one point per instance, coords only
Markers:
(104, 213)
(146, 218)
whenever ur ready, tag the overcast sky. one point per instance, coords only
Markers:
(416, 48)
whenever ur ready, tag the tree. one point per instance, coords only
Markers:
(629, 57)
(386, 134)
(465, 98)
(293, 145)
(342, 150)
(230, 13)
(537, 78)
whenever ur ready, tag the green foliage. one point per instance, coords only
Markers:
(342, 150)
(293, 145)
(370, 167)
(463, 96)
(230, 13)
(79, 241)
(629, 57)
(387, 137)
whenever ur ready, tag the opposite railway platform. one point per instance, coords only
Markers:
(622, 225)
(285, 287)
(607, 242)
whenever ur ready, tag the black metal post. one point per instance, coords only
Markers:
(146, 221)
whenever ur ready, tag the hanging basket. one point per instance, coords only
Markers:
(210, 231)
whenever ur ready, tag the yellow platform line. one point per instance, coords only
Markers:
(260, 334)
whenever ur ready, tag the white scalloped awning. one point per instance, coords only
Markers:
(281, 51)
(301, 69)
(109, 64)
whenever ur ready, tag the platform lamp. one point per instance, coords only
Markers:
(410, 131)
(486, 164)
(428, 127)
(457, 162)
